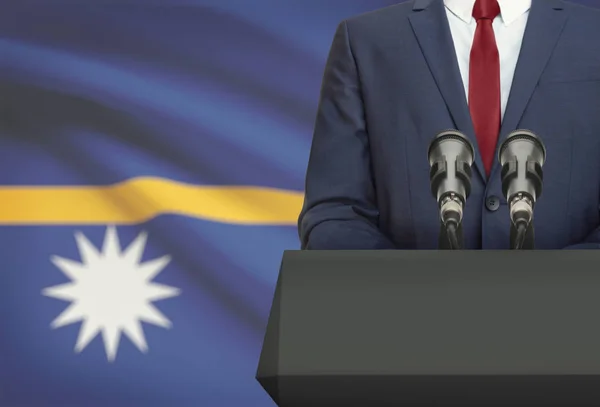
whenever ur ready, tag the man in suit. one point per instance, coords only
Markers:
(398, 76)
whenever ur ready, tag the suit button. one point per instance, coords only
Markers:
(492, 203)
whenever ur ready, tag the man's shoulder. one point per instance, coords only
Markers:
(395, 13)
(583, 12)
(583, 23)
(577, 7)
(381, 17)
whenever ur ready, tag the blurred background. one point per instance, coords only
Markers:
(152, 160)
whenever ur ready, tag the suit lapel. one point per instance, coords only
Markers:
(544, 27)
(430, 25)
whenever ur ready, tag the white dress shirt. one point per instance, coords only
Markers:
(509, 28)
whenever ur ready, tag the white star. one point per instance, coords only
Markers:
(111, 292)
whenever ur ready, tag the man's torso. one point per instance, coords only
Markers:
(412, 90)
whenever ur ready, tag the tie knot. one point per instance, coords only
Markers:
(486, 9)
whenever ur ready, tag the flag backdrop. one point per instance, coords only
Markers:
(152, 157)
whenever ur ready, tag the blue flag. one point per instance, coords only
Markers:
(146, 197)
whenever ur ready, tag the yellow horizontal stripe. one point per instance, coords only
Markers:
(140, 199)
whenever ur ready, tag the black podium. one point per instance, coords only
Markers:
(434, 328)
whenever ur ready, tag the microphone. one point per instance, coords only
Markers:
(522, 156)
(450, 159)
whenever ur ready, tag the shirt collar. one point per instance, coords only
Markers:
(510, 10)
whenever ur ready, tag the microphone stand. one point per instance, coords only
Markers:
(451, 236)
(522, 236)
(521, 225)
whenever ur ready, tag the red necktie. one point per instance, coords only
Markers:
(484, 81)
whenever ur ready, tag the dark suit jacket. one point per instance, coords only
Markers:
(392, 83)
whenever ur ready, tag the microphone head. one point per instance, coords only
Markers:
(522, 155)
(450, 157)
(522, 143)
(451, 142)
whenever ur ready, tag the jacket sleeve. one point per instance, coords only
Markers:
(340, 212)
(592, 241)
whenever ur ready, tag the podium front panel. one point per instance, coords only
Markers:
(437, 327)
